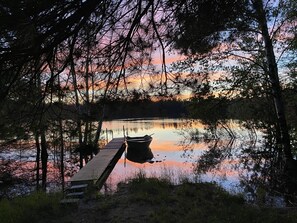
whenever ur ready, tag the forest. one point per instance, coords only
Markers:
(67, 64)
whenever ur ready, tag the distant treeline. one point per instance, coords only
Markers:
(145, 108)
(257, 108)
(120, 109)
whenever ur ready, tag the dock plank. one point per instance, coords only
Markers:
(96, 167)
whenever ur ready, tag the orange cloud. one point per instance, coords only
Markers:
(169, 58)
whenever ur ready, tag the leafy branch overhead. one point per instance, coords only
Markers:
(253, 37)
(203, 25)
(94, 50)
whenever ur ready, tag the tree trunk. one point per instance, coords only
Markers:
(99, 128)
(37, 160)
(61, 137)
(77, 105)
(44, 157)
(274, 79)
(61, 153)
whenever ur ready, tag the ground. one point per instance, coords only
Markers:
(152, 200)
(111, 208)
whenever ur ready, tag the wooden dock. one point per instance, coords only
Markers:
(98, 169)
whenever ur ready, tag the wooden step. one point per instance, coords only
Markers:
(77, 187)
(75, 194)
(70, 201)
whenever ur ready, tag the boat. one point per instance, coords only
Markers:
(138, 148)
(139, 142)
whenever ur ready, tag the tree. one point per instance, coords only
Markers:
(252, 31)
(30, 30)
(64, 48)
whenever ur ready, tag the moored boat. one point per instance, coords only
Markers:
(138, 148)
(139, 142)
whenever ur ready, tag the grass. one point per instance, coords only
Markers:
(36, 207)
(161, 201)
(145, 199)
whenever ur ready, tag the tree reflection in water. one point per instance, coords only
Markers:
(230, 152)
(256, 157)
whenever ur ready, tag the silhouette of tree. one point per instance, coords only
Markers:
(253, 35)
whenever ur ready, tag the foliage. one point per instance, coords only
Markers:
(197, 31)
(37, 207)
(202, 107)
(70, 52)
(57, 53)
(149, 190)
(232, 43)
(153, 200)
(149, 200)
(248, 42)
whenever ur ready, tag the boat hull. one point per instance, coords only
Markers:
(138, 149)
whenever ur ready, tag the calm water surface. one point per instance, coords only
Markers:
(177, 146)
(175, 154)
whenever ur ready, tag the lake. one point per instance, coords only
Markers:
(236, 155)
(175, 151)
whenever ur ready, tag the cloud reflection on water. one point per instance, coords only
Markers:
(168, 147)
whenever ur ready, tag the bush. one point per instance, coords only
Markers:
(37, 207)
